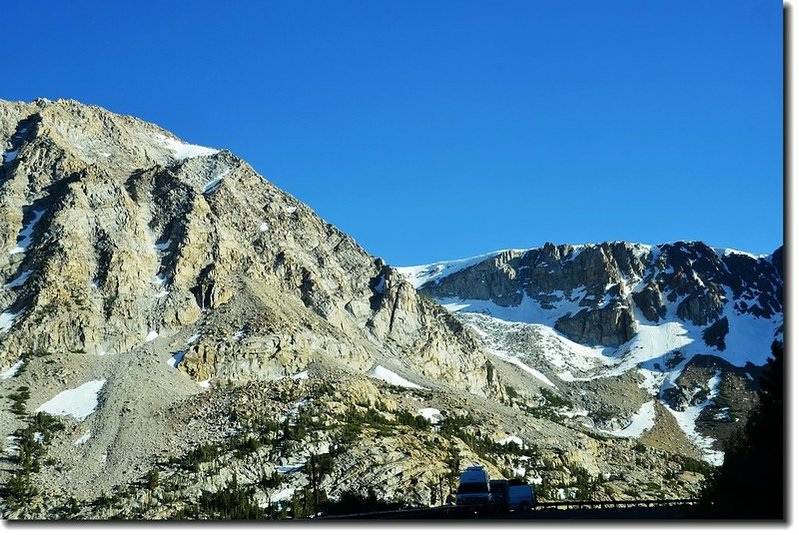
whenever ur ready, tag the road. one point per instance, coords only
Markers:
(674, 512)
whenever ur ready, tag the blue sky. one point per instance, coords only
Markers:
(440, 129)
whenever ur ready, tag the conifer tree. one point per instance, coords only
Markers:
(751, 482)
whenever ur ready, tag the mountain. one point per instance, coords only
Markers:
(118, 233)
(693, 323)
(177, 333)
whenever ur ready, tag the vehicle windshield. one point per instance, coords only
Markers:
(472, 488)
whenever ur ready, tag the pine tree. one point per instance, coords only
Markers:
(751, 482)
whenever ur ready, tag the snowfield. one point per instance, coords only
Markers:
(79, 402)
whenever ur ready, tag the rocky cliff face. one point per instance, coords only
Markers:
(572, 316)
(116, 233)
(608, 281)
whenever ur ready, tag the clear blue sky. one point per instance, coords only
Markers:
(443, 129)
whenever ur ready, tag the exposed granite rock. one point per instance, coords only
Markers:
(609, 326)
(650, 302)
(702, 306)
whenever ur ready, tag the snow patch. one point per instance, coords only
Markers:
(7, 319)
(181, 150)
(215, 182)
(513, 438)
(295, 410)
(641, 421)
(283, 495)
(381, 285)
(529, 310)
(10, 155)
(431, 415)
(420, 275)
(516, 361)
(194, 337)
(19, 281)
(83, 439)
(26, 235)
(164, 246)
(152, 335)
(384, 374)
(238, 335)
(12, 446)
(160, 280)
(290, 468)
(175, 359)
(78, 402)
(300, 375)
(687, 418)
(573, 414)
(12, 371)
(726, 251)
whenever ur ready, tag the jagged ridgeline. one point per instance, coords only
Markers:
(181, 339)
(687, 326)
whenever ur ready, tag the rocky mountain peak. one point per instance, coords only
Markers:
(118, 233)
(607, 281)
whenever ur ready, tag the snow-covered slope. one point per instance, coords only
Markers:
(567, 315)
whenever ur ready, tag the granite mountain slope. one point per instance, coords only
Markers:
(137, 271)
(117, 233)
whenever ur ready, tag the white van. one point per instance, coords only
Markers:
(474, 487)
